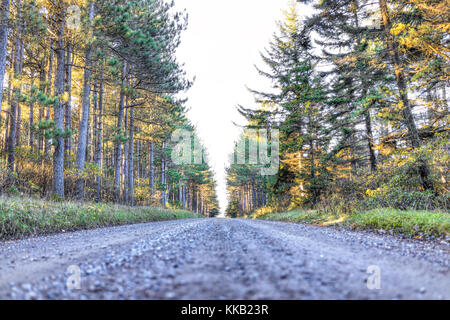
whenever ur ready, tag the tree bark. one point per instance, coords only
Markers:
(98, 150)
(31, 121)
(41, 108)
(184, 196)
(370, 143)
(163, 176)
(125, 156)
(20, 60)
(118, 146)
(49, 90)
(68, 115)
(4, 21)
(130, 160)
(180, 191)
(11, 141)
(138, 157)
(152, 170)
(83, 127)
(58, 156)
(18, 125)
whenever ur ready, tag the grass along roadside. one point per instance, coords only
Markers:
(417, 224)
(24, 217)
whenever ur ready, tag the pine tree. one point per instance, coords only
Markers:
(299, 101)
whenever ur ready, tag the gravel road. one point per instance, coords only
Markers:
(223, 259)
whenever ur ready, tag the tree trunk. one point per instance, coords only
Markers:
(184, 195)
(83, 127)
(370, 143)
(408, 118)
(11, 143)
(4, 20)
(367, 119)
(118, 146)
(130, 160)
(163, 176)
(253, 196)
(21, 50)
(31, 121)
(125, 156)
(196, 202)
(68, 116)
(18, 125)
(152, 170)
(48, 93)
(98, 150)
(6, 137)
(313, 158)
(41, 108)
(95, 122)
(180, 191)
(138, 157)
(58, 156)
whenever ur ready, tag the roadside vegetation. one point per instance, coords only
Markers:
(419, 224)
(358, 118)
(20, 218)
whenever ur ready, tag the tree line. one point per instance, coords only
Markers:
(359, 94)
(90, 103)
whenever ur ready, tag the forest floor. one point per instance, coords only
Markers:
(224, 259)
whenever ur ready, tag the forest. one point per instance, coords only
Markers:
(338, 171)
(359, 96)
(89, 96)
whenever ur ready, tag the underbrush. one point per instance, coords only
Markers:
(23, 217)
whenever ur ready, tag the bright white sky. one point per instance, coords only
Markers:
(220, 47)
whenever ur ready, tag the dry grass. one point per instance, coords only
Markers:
(24, 217)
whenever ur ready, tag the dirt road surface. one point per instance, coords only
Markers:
(223, 259)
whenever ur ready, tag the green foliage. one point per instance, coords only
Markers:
(411, 223)
(214, 213)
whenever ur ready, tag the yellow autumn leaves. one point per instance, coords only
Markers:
(65, 97)
(397, 29)
(425, 37)
(16, 83)
(44, 3)
(413, 36)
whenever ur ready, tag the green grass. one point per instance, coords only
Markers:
(409, 223)
(22, 217)
(413, 223)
